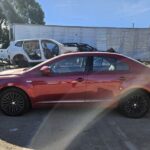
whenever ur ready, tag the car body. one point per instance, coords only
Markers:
(3, 54)
(82, 47)
(27, 51)
(83, 77)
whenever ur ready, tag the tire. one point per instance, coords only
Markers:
(20, 61)
(14, 102)
(135, 104)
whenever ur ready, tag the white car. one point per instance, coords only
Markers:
(27, 51)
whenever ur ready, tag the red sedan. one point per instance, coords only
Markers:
(84, 77)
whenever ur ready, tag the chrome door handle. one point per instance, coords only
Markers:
(79, 79)
(122, 78)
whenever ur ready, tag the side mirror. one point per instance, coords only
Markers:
(45, 70)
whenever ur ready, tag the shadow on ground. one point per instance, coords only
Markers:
(20, 130)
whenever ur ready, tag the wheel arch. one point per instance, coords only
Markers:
(21, 60)
(133, 89)
(19, 55)
(14, 87)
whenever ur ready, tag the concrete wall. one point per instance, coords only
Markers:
(132, 42)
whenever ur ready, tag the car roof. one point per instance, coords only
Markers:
(34, 39)
(94, 52)
(39, 39)
(102, 53)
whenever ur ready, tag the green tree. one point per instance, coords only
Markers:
(4, 35)
(18, 11)
(30, 11)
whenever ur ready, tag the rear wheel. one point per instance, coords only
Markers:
(20, 61)
(135, 104)
(14, 102)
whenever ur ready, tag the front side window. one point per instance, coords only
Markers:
(108, 64)
(32, 49)
(69, 65)
(50, 49)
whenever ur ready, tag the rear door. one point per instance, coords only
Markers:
(105, 78)
(32, 50)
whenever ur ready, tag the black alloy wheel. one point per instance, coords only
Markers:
(135, 105)
(14, 102)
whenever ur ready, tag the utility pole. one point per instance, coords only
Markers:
(133, 25)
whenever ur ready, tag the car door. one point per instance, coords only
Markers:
(32, 50)
(50, 49)
(66, 83)
(105, 78)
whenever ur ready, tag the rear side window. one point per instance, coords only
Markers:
(121, 66)
(101, 63)
(19, 44)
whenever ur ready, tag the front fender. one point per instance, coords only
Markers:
(23, 85)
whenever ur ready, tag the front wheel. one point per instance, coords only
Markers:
(135, 104)
(14, 102)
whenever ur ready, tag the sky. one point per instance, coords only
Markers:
(99, 13)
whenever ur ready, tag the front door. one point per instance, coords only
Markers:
(50, 49)
(66, 82)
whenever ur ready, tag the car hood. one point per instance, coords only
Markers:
(12, 72)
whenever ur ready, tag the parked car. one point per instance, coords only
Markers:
(27, 51)
(82, 47)
(83, 77)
